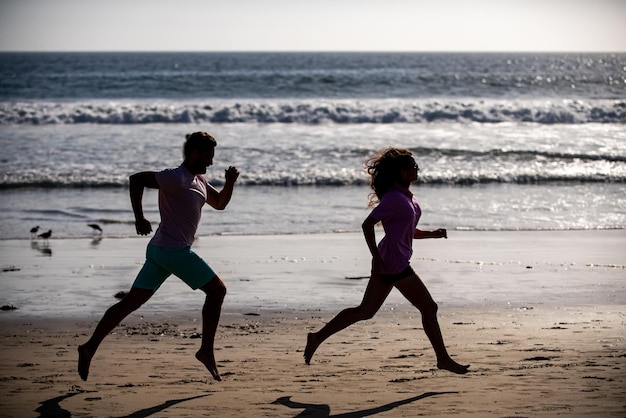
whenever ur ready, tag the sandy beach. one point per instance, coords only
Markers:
(539, 315)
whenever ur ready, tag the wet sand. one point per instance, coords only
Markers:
(535, 362)
(540, 316)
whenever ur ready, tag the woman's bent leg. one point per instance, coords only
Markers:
(375, 294)
(414, 290)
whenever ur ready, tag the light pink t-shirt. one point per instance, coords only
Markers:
(181, 198)
(399, 213)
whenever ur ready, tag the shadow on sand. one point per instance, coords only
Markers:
(52, 407)
(323, 410)
(153, 410)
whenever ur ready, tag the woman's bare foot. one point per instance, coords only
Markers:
(84, 361)
(453, 366)
(209, 362)
(311, 346)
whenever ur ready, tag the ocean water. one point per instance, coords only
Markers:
(504, 141)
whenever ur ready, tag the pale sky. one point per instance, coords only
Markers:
(313, 25)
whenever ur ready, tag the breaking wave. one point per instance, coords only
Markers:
(315, 112)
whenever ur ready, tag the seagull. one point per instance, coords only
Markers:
(45, 235)
(96, 228)
(33, 231)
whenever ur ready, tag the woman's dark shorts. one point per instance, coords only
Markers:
(392, 278)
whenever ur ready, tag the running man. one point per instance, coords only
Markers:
(183, 191)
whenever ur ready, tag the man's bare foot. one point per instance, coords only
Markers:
(452, 366)
(209, 362)
(311, 346)
(84, 361)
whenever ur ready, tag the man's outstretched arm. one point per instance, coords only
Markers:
(137, 182)
(219, 200)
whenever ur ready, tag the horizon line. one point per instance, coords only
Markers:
(269, 51)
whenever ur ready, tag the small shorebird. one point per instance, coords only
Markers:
(33, 231)
(45, 235)
(96, 228)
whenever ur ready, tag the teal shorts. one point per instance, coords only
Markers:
(161, 262)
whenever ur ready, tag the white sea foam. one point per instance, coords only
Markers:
(315, 111)
(504, 141)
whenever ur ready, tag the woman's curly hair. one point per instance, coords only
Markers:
(385, 169)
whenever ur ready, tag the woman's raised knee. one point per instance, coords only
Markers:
(364, 314)
(430, 309)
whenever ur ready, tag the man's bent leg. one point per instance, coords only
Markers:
(215, 292)
(112, 317)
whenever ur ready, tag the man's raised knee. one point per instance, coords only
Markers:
(220, 290)
(215, 288)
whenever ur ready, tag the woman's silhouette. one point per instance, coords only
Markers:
(392, 172)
